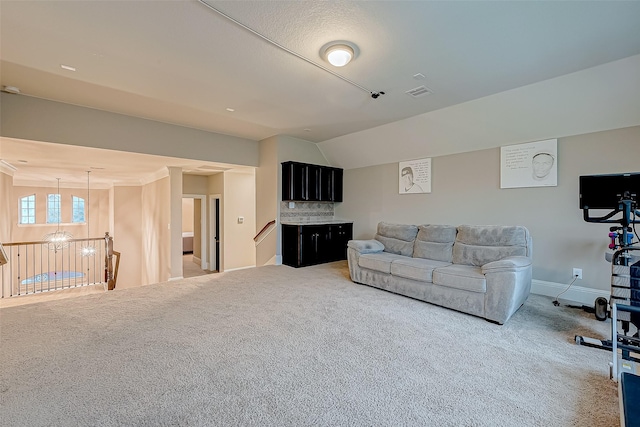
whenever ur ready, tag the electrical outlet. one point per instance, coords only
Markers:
(577, 272)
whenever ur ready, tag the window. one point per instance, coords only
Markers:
(77, 209)
(53, 209)
(28, 209)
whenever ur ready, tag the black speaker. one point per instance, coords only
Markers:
(600, 308)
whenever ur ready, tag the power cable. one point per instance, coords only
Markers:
(556, 302)
(373, 94)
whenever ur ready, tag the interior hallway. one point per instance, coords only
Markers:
(191, 269)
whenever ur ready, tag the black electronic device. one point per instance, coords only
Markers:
(606, 191)
(618, 193)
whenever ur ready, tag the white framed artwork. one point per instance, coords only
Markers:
(414, 176)
(534, 164)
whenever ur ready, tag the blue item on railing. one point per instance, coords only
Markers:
(52, 276)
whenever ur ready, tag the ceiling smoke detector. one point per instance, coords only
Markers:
(11, 89)
(419, 91)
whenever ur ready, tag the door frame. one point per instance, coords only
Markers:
(212, 230)
(204, 263)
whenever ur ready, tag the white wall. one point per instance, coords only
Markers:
(6, 193)
(267, 196)
(127, 235)
(195, 184)
(239, 201)
(577, 103)
(187, 215)
(156, 234)
(466, 190)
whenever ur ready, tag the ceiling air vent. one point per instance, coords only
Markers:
(419, 91)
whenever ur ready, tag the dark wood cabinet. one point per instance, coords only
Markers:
(340, 236)
(304, 245)
(311, 183)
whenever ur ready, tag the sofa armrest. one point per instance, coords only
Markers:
(366, 246)
(508, 286)
(511, 263)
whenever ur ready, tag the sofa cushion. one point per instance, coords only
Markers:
(380, 261)
(416, 268)
(465, 277)
(435, 242)
(397, 238)
(480, 244)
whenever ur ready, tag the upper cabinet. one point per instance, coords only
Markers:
(311, 183)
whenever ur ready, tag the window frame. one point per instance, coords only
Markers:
(74, 209)
(31, 209)
(59, 208)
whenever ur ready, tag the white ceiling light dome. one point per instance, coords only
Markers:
(338, 53)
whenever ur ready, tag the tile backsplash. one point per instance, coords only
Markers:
(306, 211)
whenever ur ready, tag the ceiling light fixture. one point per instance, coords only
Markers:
(88, 250)
(58, 239)
(338, 54)
(67, 67)
(373, 94)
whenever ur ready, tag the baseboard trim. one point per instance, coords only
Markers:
(240, 268)
(171, 279)
(575, 294)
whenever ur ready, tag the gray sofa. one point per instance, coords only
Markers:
(480, 270)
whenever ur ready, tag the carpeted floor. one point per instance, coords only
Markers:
(191, 269)
(277, 346)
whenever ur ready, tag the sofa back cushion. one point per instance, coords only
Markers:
(397, 238)
(435, 242)
(479, 244)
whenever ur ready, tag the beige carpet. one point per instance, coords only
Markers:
(191, 269)
(277, 346)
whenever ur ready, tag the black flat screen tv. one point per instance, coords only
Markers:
(605, 191)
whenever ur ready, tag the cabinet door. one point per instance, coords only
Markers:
(340, 236)
(290, 245)
(312, 244)
(327, 179)
(312, 183)
(293, 181)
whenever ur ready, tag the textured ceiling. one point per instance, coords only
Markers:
(181, 62)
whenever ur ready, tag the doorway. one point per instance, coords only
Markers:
(214, 232)
(195, 259)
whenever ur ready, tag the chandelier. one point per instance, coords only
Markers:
(58, 239)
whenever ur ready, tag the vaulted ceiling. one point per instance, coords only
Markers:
(188, 62)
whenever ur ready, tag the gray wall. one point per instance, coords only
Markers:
(37, 119)
(466, 190)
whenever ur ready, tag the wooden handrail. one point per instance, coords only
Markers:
(91, 239)
(269, 224)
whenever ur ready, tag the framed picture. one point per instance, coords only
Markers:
(414, 176)
(534, 164)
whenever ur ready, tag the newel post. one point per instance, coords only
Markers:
(108, 262)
